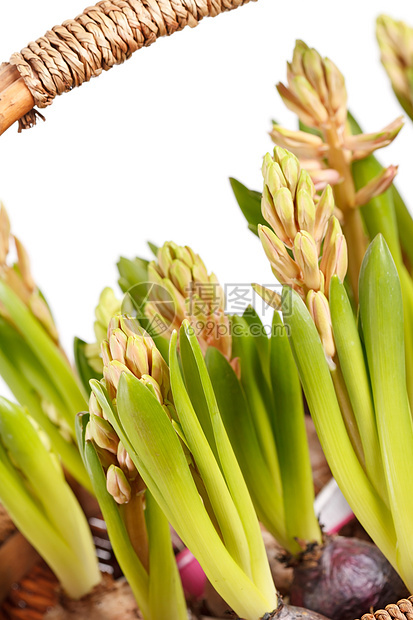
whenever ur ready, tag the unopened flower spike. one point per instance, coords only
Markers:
(316, 92)
(17, 275)
(395, 39)
(182, 289)
(307, 248)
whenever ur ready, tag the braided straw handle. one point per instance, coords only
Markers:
(402, 611)
(102, 36)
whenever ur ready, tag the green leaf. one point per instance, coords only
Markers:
(404, 224)
(249, 202)
(44, 349)
(291, 438)
(223, 506)
(257, 391)
(129, 562)
(381, 311)
(322, 401)
(153, 438)
(237, 420)
(85, 371)
(355, 373)
(165, 588)
(232, 473)
(132, 272)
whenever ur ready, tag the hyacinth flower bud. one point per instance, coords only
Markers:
(314, 72)
(285, 269)
(125, 463)
(363, 144)
(376, 186)
(305, 211)
(319, 308)
(395, 39)
(291, 170)
(323, 213)
(309, 99)
(271, 216)
(4, 234)
(272, 174)
(117, 485)
(284, 206)
(334, 259)
(337, 93)
(94, 406)
(103, 434)
(302, 144)
(306, 257)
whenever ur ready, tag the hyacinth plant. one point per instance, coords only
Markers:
(337, 361)
(32, 361)
(138, 530)
(332, 149)
(38, 499)
(254, 379)
(184, 458)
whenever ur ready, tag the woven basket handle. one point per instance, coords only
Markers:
(101, 37)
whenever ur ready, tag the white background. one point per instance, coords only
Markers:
(145, 151)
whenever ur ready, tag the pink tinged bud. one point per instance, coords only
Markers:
(309, 99)
(336, 90)
(102, 433)
(314, 72)
(24, 265)
(324, 211)
(270, 297)
(94, 406)
(334, 259)
(291, 170)
(186, 255)
(137, 356)
(111, 374)
(305, 183)
(302, 144)
(271, 216)
(105, 351)
(363, 144)
(296, 66)
(284, 206)
(164, 258)
(160, 372)
(180, 275)
(319, 309)
(293, 103)
(376, 186)
(125, 462)
(132, 327)
(117, 485)
(286, 269)
(199, 273)
(305, 211)
(4, 234)
(272, 174)
(324, 176)
(117, 345)
(306, 256)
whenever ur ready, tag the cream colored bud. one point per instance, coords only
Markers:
(323, 213)
(103, 434)
(270, 214)
(126, 463)
(117, 485)
(286, 269)
(334, 259)
(305, 211)
(319, 308)
(314, 72)
(284, 206)
(306, 256)
(309, 99)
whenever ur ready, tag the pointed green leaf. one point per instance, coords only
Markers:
(249, 202)
(381, 311)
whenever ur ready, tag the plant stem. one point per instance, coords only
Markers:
(133, 514)
(344, 194)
